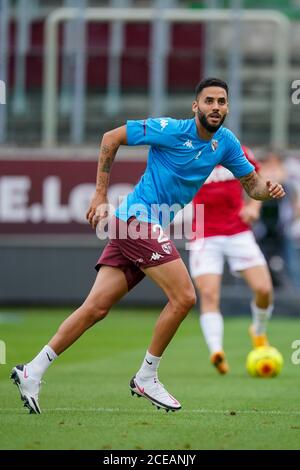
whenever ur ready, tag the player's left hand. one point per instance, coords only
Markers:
(276, 190)
(249, 214)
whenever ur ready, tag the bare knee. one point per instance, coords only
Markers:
(264, 292)
(94, 312)
(183, 301)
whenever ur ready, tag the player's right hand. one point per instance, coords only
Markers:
(98, 209)
(276, 190)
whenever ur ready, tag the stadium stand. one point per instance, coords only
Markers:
(185, 65)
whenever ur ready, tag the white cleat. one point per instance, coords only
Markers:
(29, 388)
(155, 392)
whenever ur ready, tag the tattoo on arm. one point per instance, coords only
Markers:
(101, 180)
(105, 149)
(107, 154)
(255, 187)
(249, 182)
(106, 165)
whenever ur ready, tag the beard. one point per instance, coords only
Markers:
(209, 127)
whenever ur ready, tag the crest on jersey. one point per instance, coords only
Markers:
(214, 144)
(167, 247)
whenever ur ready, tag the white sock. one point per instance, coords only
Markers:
(38, 366)
(149, 367)
(260, 317)
(213, 328)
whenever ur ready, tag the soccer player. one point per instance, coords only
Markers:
(182, 155)
(224, 233)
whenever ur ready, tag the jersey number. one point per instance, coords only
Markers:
(161, 237)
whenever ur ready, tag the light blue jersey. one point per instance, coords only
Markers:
(179, 162)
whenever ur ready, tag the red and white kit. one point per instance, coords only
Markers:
(225, 233)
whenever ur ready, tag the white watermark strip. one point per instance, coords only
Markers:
(2, 352)
(110, 227)
(295, 358)
(296, 93)
(2, 92)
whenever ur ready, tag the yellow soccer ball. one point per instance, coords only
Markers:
(265, 361)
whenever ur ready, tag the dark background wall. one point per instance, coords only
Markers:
(62, 273)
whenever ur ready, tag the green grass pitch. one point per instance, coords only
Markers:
(86, 401)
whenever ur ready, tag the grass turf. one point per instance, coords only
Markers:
(86, 401)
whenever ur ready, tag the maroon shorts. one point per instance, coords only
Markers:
(135, 245)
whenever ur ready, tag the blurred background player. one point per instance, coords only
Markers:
(227, 234)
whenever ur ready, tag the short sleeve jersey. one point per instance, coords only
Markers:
(179, 162)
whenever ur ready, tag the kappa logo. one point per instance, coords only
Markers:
(155, 256)
(167, 247)
(188, 144)
(214, 144)
(163, 123)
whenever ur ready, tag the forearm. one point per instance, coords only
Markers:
(111, 141)
(108, 150)
(110, 144)
(261, 190)
(255, 187)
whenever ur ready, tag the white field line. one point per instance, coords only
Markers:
(130, 410)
